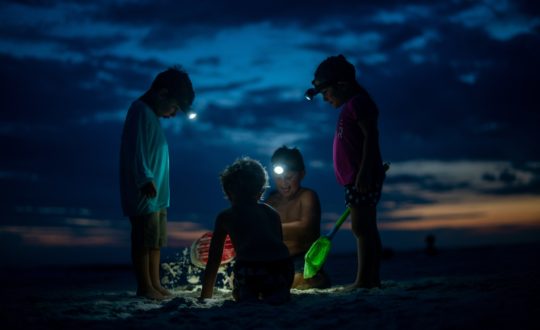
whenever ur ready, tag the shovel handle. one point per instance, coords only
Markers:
(339, 222)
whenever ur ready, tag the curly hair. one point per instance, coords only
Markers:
(246, 178)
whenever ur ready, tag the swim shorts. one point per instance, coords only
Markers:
(270, 281)
(150, 230)
(355, 198)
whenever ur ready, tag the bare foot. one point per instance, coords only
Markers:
(319, 281)
(166, 293)
(150, 294)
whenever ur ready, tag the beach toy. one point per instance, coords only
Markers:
(201, 247)
(318, 252)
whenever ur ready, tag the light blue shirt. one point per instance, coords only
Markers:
(144, 157)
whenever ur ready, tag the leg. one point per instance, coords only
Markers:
(298, 281)
(369, 247)
(140, 257)
(156, 239)
(319, 281)
(154, 262)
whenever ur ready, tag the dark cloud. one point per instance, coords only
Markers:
(210, 61)
(54, 91)
(427, 183)
(228, 86)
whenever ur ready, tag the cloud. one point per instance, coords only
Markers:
(483, 177)
(473, 213)
(500, 19)
(68, 236)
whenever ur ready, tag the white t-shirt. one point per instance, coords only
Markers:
(144, 157)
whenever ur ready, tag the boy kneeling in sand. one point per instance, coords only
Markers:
(300, 212)
(263, 268)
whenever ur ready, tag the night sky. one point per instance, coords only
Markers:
(456, 83)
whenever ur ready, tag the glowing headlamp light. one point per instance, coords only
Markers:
(310, 94)
(191, 115)
(279, 169)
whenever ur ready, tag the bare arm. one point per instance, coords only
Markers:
(214, 259)
(365, 177)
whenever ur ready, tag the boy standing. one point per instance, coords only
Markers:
(144, 174)
(300, 212)
(357, 159)
(263, 268)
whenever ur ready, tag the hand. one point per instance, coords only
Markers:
(149, 190)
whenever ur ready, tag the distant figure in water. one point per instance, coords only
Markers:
(357, 159)
(262, 269)
(431, 250)
(300, 212)
(144, 174)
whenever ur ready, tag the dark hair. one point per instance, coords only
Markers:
(178, 85)
(335, 69)
(246, 178)
(290, 157)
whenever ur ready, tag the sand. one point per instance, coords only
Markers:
(475, 288)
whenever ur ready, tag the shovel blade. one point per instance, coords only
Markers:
(316, 256)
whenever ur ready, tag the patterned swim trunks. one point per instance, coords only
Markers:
(355, 198)
(270, 281)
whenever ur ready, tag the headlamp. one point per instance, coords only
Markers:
(310, 93)
(191, 115)
(279, 169)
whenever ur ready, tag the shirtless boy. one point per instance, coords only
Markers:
(300, 212)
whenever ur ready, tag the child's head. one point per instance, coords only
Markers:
(292, 171)
(334, 69)
(289, 158)
(335, 79)
(174, 86)
(244, 180)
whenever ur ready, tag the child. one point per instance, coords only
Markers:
(263, 268)
(300, 212)
(144, 174)
(357, 159)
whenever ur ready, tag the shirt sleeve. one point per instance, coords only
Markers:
(143, 131)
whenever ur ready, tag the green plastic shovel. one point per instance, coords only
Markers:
(318, 252)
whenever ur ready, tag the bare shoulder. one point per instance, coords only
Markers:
(308, 195)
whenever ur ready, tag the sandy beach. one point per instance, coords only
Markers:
(470, 288)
